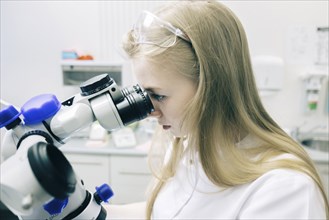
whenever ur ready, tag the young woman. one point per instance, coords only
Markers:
(226, 158)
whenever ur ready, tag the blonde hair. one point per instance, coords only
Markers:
(226, 103)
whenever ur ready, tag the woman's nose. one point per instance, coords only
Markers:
(156, 114)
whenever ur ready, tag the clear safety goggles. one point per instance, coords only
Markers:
(150, 29)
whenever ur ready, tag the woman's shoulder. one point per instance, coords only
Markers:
(278, 177)
(288, 193)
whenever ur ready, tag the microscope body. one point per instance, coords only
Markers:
(37, 181)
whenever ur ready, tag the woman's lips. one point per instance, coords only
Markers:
(166, 127)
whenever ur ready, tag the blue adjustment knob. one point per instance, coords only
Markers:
(40, 108)
(8, 116)
(55, 206)
(103, 193)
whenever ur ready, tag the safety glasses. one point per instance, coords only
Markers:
(150, 29)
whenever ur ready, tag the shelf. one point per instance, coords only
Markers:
(75, 71)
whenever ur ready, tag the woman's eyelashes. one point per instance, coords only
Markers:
(157, 97)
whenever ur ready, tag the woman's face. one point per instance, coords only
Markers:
(169, 92)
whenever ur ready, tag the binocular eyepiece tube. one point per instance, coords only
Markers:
(131, 103)
(135, 106)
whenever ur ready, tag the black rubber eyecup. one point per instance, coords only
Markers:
(52, 170)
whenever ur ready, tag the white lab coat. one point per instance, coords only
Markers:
(278, 194)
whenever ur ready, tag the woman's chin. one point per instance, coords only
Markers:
(175, 133)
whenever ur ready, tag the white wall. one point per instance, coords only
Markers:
(268, 25)
(33, 34)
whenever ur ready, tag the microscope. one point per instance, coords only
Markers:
(37, 181)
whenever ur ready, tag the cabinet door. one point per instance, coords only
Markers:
(130, 177)
(94, 170)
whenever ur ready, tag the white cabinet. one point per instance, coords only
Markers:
(128, 175)
(94, 170)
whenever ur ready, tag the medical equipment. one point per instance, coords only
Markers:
(37, 181)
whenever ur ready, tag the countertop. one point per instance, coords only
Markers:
(85, 146)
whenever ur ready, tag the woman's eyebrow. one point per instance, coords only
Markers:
(151, 89)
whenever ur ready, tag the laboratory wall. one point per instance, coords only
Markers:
(34, 34)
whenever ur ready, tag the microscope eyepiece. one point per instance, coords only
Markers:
(136, 105)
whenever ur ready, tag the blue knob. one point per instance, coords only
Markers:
(55, 206)
(103, 193)
(40, 108)
(8, 115)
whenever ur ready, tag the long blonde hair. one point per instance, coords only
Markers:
(226, 102)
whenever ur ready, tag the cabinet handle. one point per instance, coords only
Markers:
(133, 173)
(85, 163)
